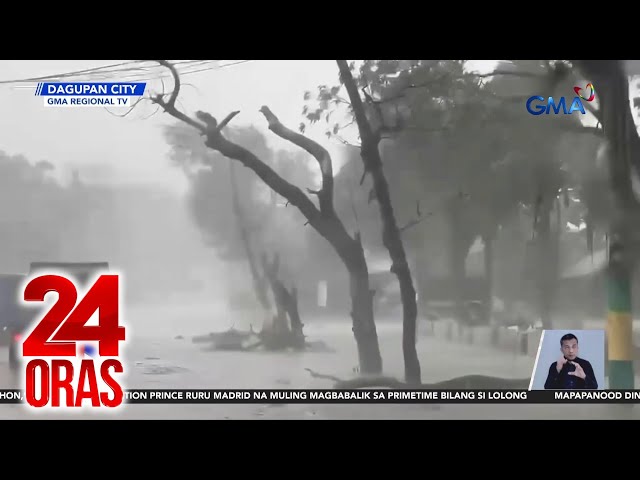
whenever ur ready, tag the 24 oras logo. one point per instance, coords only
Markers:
(538, 105)
(58, 341)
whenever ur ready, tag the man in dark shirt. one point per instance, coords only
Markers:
(570, 372)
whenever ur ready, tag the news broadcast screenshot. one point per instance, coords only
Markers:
(319, 239)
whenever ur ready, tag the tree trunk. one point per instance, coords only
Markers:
(294, 319)
(544, 267)
(488, 241)
(391, 237)
(458, 274)
(287, 327)
(271, 270)
(460, 243)
(364, 328)
(556, 267)
(258, 280)
(489, 246)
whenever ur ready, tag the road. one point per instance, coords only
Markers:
(154, 358)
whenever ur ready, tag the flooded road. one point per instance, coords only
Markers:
(160, 355)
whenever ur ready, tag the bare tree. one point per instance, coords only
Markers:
(322, 218)
(391, 234)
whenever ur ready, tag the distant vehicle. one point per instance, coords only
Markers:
(80, 271)
(438, 299)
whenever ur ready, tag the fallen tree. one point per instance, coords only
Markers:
(236, 340)
(467, 382)
(286, 330)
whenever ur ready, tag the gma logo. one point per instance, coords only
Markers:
(538, 105)
(542, 106)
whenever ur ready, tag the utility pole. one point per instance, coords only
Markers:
(612, 88)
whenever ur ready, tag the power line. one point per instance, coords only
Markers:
(79, 72)
(133, 69)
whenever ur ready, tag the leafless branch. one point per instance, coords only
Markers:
(324, 221)
(508, 73)
(216, 141)
(344, 142)
(472, 74)
(348, 124)
(341, 100)
(152, 113)
(128, 111)
(415, 221)
(176, 85)
(411, 224)
(364, 175)
(325, 194)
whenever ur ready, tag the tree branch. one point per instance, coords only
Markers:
(415, 221)
(376, 106)
(325, 194)
(293, 194)
(467, 382)
(509, 73)
(411, 224)
(171, 103)
(216, 141)
(472, 74)
(327, 224)
(369, 138)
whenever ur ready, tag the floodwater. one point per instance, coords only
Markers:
(160, 354)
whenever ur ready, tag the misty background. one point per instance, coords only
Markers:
(504, 216)
(94, 186)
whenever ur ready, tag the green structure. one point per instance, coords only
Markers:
(620, 329)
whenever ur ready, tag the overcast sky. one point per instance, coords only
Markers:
(133, 147)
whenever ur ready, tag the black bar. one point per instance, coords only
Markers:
(284, 396)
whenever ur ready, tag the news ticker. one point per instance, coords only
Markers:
(384, 396)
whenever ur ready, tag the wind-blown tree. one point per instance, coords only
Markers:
(441, 116)
(325, 221)
(511, 161)
(35, 220)
(462, 146)
(370, 137)
(555, 158)
(226, 196)
(388, 109)
(419, 102)
(211, 194)
(322, 217)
